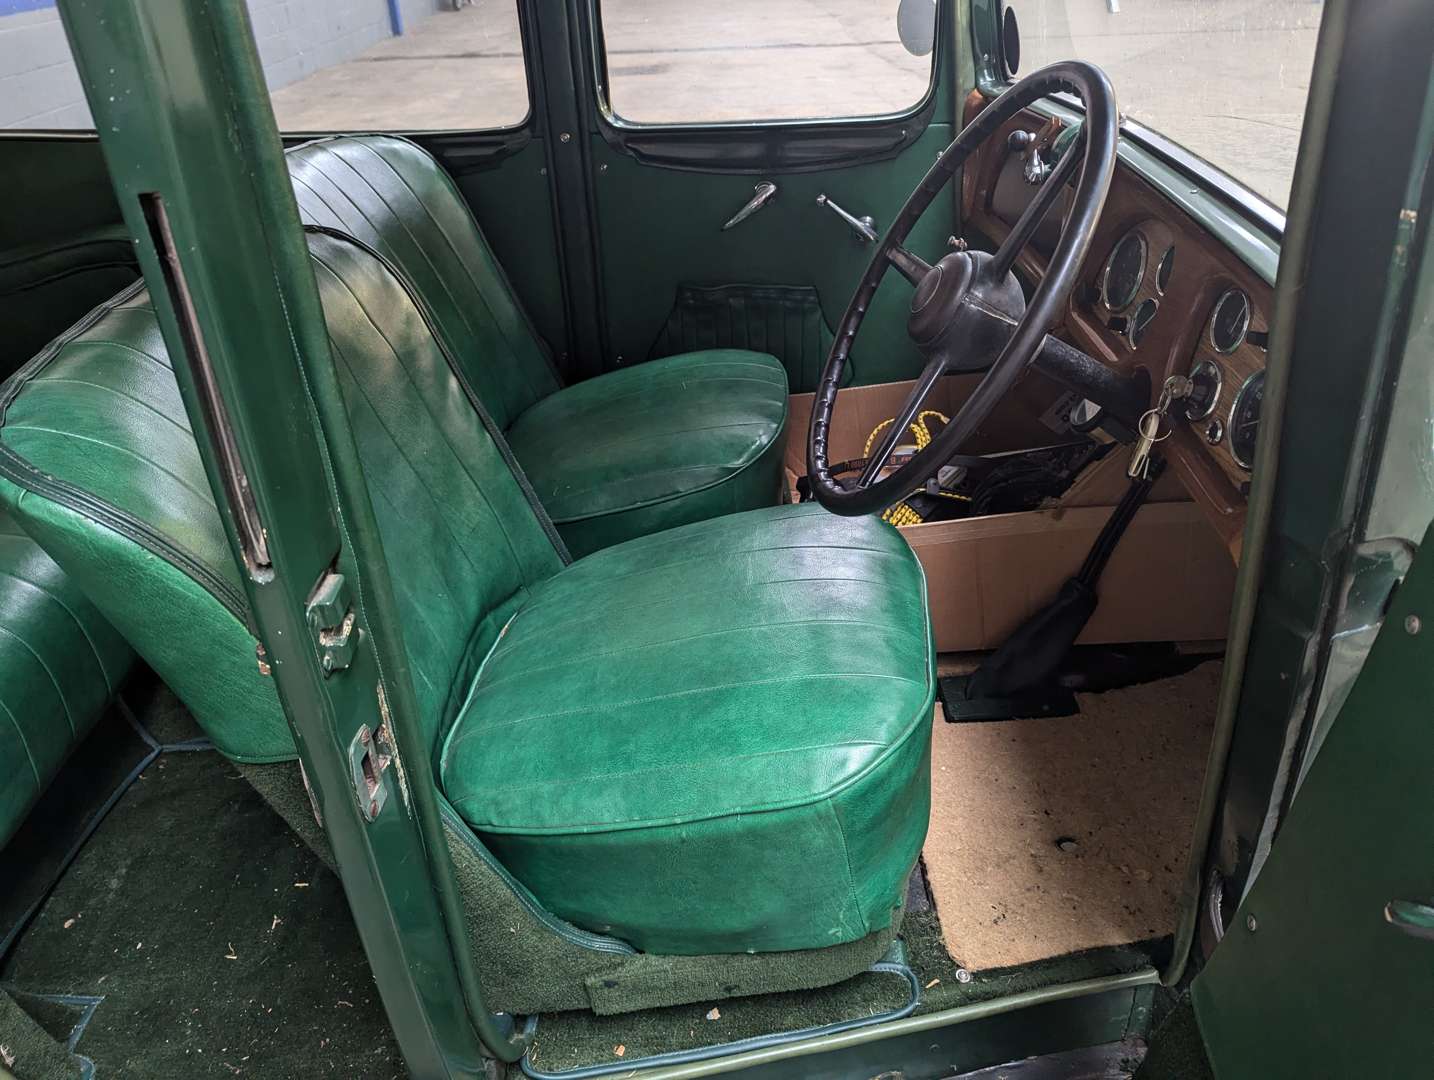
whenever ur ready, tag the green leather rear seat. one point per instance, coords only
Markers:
(59, 664)
(625, 454)
(710, 740)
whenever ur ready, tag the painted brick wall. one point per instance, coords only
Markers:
(40, 89)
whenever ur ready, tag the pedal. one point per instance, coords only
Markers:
(1044, 702)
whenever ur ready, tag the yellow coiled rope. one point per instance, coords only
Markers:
(901, 513)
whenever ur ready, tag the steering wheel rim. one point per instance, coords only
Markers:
(974, 286)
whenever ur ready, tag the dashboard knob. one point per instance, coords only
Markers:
(1205, 381)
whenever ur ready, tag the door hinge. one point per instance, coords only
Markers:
(330, 614)
(370, 754)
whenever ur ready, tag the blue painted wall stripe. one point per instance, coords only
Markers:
(14, 7)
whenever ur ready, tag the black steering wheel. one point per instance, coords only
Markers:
(969, 306)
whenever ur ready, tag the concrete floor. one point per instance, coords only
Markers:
(1226, 78)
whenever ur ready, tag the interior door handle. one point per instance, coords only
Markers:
(1414, 919)
(761, 195)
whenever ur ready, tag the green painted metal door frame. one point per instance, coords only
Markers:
(1333, 750)
(1321, 556)
(190, 140)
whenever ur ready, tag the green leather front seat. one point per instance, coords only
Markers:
(713, 739)
(628, 453)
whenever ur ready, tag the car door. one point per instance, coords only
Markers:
(729, 147)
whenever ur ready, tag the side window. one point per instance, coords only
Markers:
(696, 61)
(331, 65)
(1228, 81)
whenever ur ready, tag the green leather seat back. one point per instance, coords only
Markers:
(465, 541)
(392, 195)
(60, 662)
(98, 422)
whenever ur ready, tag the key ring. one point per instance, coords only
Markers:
(1147, 436)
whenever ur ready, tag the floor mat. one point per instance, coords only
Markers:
(1052, 837)
(217, 943)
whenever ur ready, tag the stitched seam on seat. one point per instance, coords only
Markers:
(923, 715)
(712, 530)
(79, 624)
(59, 691)
(613, 706)
(667, 598)
(472, 689)
(85, 342)
(761, 808)
(587, 658)
(378, 232)
(495, 435)
(591, 585)
(532, 336)
(460, 543)
(25, 745)
(448, 241)
(654, 500)
(667, 769)
(52, 380)
(576, 394)
(846, 858)
(644, 436)
(116, 447)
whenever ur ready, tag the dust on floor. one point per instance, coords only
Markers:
(1053, 836)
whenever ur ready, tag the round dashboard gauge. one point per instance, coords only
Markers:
(1205, 382)
(1140, 322)
(1230, 321)
(1124, 271)
(1165, 270)
(1244, 425)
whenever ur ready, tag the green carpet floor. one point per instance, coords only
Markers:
(572, 1040)
(217, 942)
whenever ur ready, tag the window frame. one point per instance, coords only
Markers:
(805, 144)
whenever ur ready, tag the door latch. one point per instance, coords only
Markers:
(370, 754)
(330, 614)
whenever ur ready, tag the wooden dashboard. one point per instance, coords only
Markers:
(1147, 298)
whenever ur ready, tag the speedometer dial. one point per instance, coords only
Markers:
(1244, 424)
(1124, 271)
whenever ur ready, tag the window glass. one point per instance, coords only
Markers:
(331, 65)
(1227, 79)
(696, 61)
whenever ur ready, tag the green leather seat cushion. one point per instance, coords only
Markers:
(722, 726)
(624, 454)
(663, 443)
(59, 664)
